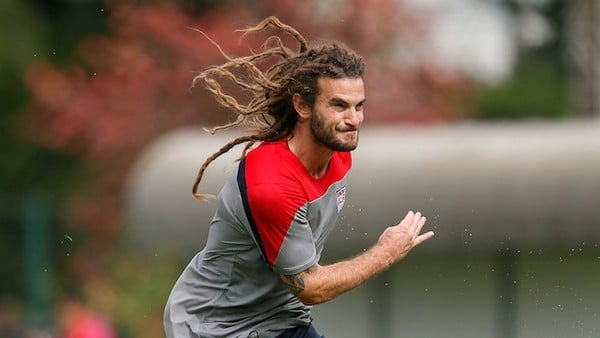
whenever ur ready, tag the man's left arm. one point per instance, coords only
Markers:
(321, 283)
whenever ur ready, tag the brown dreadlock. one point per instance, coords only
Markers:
(270, 114)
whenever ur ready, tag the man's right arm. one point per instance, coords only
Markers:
(321, 283)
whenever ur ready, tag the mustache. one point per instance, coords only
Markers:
(347, 129)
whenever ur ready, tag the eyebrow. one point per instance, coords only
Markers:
(337, 100)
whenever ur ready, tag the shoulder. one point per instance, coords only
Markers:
(268, 149)
(271, 178)
(272, 163)
(266, 158)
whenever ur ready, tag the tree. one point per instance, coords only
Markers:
(132, 85)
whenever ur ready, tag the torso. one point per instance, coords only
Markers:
(272, 218)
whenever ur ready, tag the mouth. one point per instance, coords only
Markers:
(349, 134)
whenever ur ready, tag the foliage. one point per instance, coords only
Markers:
(92, 112)
(132, 85)
(125, 88)
(132, 294)
(28, 167)
(537, 90)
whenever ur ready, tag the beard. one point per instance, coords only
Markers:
(327, 136)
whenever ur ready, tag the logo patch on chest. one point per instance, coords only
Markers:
(341, 198)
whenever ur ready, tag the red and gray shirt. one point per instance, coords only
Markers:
(272, 218)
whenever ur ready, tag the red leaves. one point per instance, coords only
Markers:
(133, 85)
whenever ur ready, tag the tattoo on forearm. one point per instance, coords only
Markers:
(296, 282)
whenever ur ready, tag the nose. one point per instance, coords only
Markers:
(353, 117)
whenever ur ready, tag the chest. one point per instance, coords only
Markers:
(322, 213)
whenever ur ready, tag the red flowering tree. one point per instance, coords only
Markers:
(131, 86)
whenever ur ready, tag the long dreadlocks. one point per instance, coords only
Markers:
(270, 114)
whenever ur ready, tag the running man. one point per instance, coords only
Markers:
(259, 273)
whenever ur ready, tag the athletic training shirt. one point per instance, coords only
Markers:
(272, 218)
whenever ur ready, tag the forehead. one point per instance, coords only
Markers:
(350, 89)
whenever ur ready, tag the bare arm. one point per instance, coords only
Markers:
(320, 284)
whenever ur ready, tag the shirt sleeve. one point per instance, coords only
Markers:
(279, 213)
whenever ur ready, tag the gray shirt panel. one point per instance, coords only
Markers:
(228, 290)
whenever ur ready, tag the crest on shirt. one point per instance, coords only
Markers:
(341, 198)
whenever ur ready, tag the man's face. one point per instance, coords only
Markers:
(338, 112)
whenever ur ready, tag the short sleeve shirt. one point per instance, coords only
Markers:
(272, 218)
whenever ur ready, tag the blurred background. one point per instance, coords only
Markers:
(482, 113)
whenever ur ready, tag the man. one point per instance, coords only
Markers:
(259, 273)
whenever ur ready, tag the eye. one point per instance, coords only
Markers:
(339, 105)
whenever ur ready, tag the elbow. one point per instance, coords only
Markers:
(309, 287)
(308, 297)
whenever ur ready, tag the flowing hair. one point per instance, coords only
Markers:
(272, 77)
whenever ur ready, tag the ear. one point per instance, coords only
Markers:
(302, 109)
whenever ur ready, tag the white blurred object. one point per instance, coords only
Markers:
(474, 37)
(534, 30)
(484, 184)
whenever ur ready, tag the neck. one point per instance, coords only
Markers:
(313, 156)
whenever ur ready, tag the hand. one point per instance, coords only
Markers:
(399, 239)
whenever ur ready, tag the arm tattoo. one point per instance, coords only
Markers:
(296, 282)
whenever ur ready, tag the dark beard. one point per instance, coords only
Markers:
(326, 137)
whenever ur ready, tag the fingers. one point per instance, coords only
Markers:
(414, 224)
(409, 219)
(420, 224)
(414, 221)
(400, 239)
(422, 238)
